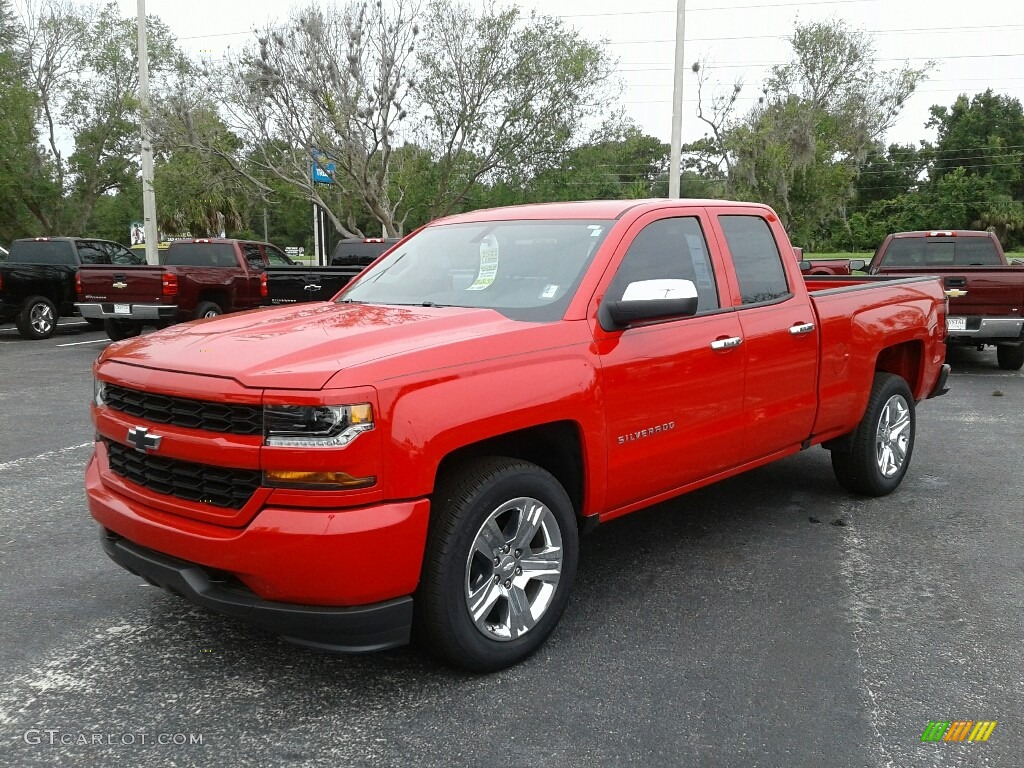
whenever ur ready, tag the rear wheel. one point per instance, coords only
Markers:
(1010, 358)
(37, 318)
(207, 309)
(500, 563)
(121, 329)
(883, 442)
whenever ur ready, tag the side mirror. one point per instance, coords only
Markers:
(805, 266)
(858, 265)
(649, 300)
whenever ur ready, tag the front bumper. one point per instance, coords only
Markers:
(106, 310)
(335, 578)
(361, 628)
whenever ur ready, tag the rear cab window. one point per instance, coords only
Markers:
(756, 259)
(50, 252)
(931, 251)
(201, 255)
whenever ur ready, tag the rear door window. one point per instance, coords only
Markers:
(756, 259)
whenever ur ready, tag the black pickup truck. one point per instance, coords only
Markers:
(37, 279)
(290, 283)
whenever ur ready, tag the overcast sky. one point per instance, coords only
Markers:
(975, 44)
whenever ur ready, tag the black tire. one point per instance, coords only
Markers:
(860, 469)
(95, 323)
(37, 318)
(1010, 357)
(121, 329)
(207, 309)
(464, 500)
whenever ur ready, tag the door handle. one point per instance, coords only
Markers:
(801, 328)
(735, 341)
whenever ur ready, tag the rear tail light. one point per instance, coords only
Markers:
(78, 285)
(264, 291)
(170, 284)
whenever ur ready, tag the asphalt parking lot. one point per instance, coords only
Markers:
(771, 620)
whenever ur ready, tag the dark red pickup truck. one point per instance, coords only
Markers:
(986, 293)
(426, 449)
(199, 278)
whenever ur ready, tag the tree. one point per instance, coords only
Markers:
(800, 149)
(84, 71)
(502, 96)
(983, 135)
(407, 125)
(18, 137)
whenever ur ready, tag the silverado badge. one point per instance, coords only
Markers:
(142, 440)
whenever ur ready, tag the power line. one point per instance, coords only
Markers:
(708, 9)
(903, 58)
(936, 30)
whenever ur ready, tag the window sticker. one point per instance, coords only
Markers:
(488, 264)
(700, 262)
(549, 292)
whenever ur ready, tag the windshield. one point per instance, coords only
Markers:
(527, 270)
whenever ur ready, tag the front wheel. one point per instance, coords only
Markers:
(37, 318)
(1010, 356)
(883, 442)
(500, 563)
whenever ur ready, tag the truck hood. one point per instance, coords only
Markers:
(303, 347)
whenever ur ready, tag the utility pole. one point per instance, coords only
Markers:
(266, 226)
(148, 196)
(677, 103)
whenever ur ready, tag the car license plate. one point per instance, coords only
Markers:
(956, 323)
(122, 309)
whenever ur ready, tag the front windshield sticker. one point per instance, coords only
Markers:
(549, 292)
(488, 264)
(595, 230)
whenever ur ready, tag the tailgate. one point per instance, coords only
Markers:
(290, 285)
(989, 293)
(117, 283)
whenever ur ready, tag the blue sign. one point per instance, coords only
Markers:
(323, 173)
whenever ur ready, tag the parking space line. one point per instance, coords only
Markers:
(48, 455)
(76, 343)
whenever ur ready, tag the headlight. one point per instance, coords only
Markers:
(315, 426)
(99, 392)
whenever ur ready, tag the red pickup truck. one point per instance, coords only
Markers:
(198, 278)
(986, 293)
(424, 450)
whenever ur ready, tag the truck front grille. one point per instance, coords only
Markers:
(218, 486)
(182, 412)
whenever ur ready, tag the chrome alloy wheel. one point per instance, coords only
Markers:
(893, 436)
(513, 569)
(41, 318)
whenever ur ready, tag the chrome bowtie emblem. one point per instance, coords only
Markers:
(143, 442)
(120, 285)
